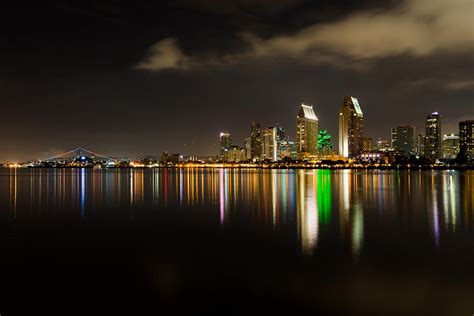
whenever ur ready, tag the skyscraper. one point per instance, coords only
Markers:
(351, 122)
(466, 139)
(248, 148)
(225, 143)
(420, 145)
(450, 146)
(405, 141)
(306, 131)
(393, 137)
(256, 141)
(270, 144)
(433, 136)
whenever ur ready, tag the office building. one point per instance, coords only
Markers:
(433, 136)
(450, 146)
(466, 139)
(225, 144)
(393, 137)
(367, 144)
(420, 145)
(248, 148)
(270, 144)
(306, 131)
(256, 141)
(404, 142)
(351, 121)
(287, 150)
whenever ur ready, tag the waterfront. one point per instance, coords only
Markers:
(339, 242)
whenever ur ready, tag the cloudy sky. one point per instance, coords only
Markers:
(139, 78)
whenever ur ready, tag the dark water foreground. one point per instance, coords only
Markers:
(194, 241)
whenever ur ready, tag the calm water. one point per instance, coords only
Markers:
(82, 241)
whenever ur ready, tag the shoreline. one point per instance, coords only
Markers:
(459, 168)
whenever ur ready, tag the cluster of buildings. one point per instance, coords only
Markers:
(432, 145)
(273, 144)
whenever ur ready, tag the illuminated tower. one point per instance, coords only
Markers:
(433, 136)
(256, 141)
(226, 143)
(270, 143)
(351, 122)
(306, 131)
(466, 139)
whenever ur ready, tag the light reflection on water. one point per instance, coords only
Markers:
(312, 202)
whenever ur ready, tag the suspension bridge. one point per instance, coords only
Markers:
(78, 154)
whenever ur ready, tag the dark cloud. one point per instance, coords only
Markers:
(418, 28)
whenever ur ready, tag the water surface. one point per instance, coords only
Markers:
(215, 241)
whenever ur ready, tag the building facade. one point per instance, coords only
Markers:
(234, 154)
(420, 145)
(367, 144)
(270, 144)
(248, 148)
(225, 144)
(351, 121)
(256, 141)
(466, 139)
(433, 149)
(405, 140)
(450, 146)
(287, 149)
(306, 131)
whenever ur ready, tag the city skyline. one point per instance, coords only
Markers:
(254, 145)
(134, 79)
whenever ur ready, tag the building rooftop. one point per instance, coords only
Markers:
(356, 106)
(308, 112)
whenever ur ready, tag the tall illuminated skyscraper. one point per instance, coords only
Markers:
(466, 139)
(433, 136)
(306, 131)
(351, 122)
(256, 141)
(270, 144)
(225, 143)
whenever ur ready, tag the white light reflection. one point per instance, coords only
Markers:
(308, 212)
(357, 230)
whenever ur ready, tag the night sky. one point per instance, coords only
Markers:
(134, 78)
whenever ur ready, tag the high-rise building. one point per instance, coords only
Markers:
(270, 144)
(393, 137)
(405, 140)
(225, 143)
(306, 131)
(351, 122)
(450, 146)
(256, 141)
(466, 139)
(248, 148)
(420, 145)
(433, 136)
(287, 149)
